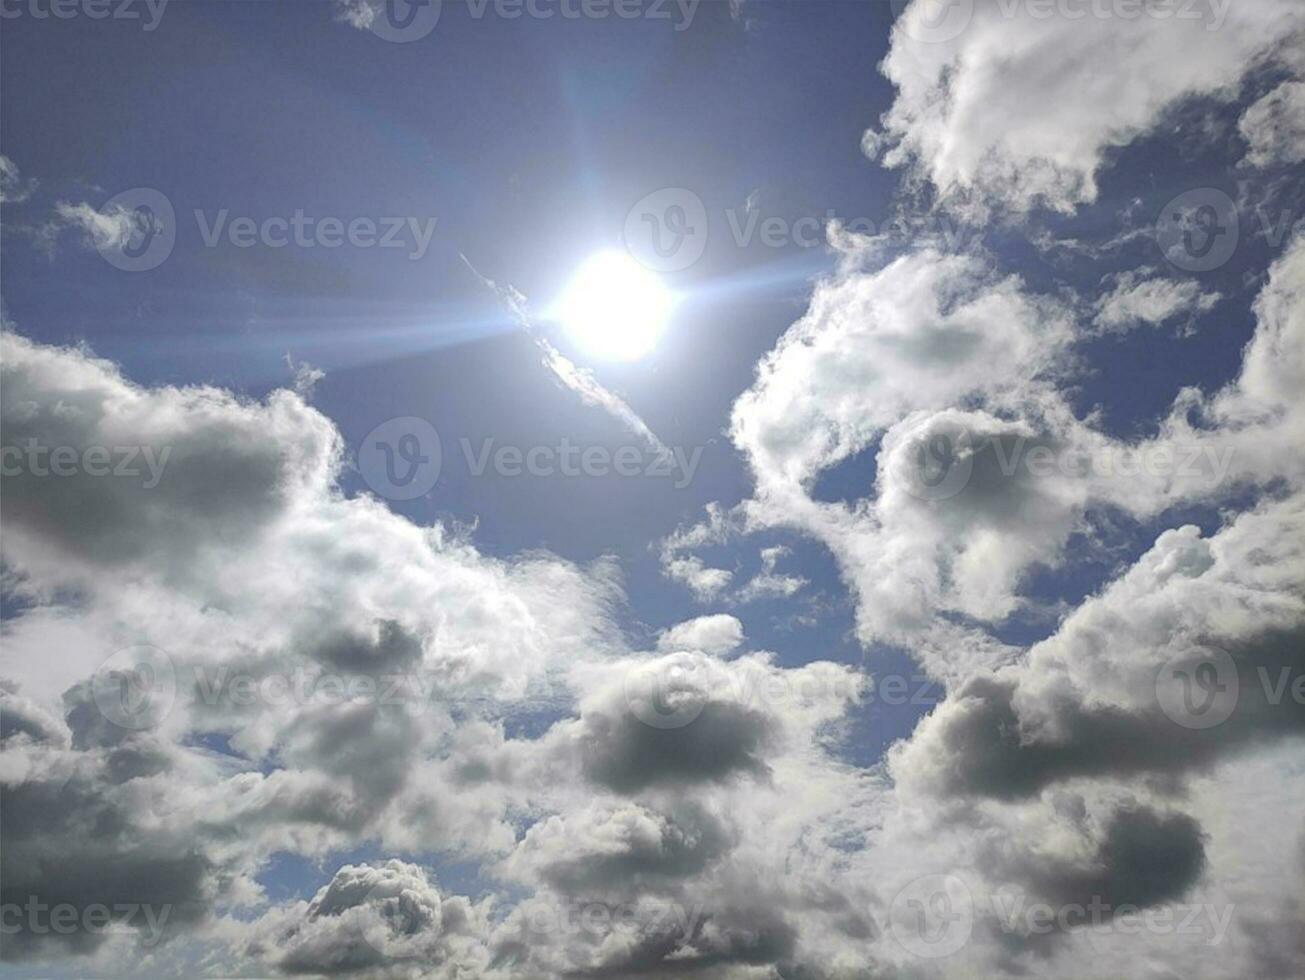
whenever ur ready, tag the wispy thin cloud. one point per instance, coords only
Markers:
(570, 374)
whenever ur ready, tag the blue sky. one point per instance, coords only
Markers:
(1038, 177)
(588, 117)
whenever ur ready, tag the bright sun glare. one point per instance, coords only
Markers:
(615, 308)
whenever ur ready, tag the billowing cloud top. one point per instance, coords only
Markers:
(220, 659)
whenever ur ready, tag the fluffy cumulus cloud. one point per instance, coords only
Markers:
(718, 634)
(1109, 692)
(384, 918)
(876, 345)
(253, 663)
(1093, 769)
(206, 579)
(977, 469)
(999, 103)
(1067, 799)
(218, 659)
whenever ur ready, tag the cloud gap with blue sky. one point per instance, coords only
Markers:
(750, 489)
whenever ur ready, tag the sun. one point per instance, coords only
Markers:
(614, 308)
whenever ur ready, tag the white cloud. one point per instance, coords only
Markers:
(695, 804)
(1141, 298)
(705, 582)
(268, 572)
(357, 13)
(717, 635)
(380, 919)
(13, 188)
(243, 561)
(769, 583)
(1009, 108)
(1274, 127)
(961, 503)
(925, 332)
(109, 228)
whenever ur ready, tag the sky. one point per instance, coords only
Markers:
(730, 488)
